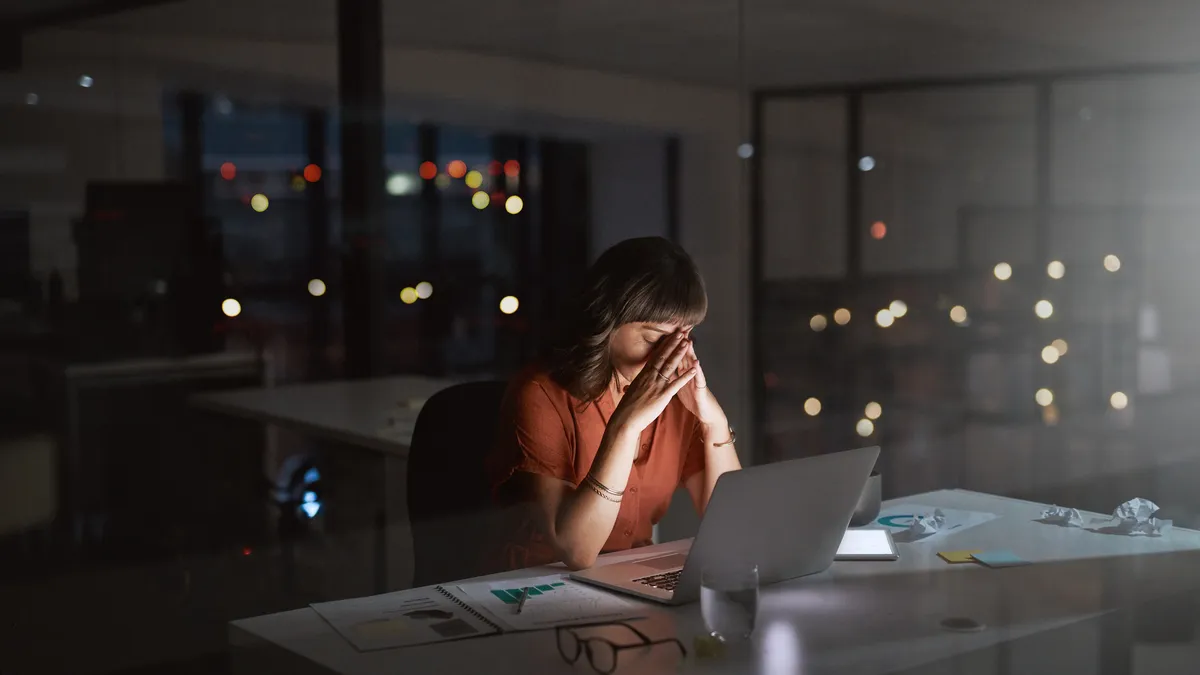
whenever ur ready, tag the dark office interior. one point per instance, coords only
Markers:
(244, 242)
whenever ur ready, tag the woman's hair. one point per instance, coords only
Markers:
(644, 280)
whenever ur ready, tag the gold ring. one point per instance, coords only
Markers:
(663, 376)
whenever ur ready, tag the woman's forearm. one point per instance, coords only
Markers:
(585, 519)
(717, 460)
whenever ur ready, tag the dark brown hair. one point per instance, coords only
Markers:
(644, 280)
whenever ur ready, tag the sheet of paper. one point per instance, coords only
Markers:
(899, 518)
(553, 601)
(401, 619)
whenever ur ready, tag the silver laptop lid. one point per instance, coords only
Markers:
(788, 518)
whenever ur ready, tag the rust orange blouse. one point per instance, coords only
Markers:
(545, 430)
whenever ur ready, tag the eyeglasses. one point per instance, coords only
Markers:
(601, 652)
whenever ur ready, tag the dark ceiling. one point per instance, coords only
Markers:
(30, 14)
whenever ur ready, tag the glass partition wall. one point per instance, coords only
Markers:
(990, 280)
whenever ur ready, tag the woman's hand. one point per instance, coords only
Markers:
(697, 397)
(650, 392)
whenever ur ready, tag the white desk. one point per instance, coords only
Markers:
(856, 617)
(376, 414)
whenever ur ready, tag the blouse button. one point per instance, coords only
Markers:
(633, 489)
(628, 533)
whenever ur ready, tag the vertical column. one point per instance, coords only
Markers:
(196, 290)
(317, 211)
(566, 212)
(513, 343)
(672, 188)
(360, 96)
(431, 327)
(758, 390)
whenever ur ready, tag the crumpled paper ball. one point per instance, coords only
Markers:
(1061, 515)
(924, 525)
(1136, 517)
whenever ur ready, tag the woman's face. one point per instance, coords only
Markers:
(632, 344)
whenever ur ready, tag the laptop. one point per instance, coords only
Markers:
(788, 518)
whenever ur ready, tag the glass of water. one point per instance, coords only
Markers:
(729, 601)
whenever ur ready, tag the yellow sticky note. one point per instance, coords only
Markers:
(957, 557)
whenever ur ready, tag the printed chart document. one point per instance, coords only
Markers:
(440, 613)
(401, 619)
(553, 601)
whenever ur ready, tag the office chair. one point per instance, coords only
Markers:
(449, 503)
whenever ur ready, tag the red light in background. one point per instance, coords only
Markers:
(247, 551)
(498, 197)
(457, 168)
(512, 168)
(312, 173)
(878, 230)
(228, 171)
(495, 167)
(428, 170)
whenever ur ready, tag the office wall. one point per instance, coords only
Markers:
(629, 190)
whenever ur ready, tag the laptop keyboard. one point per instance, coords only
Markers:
(665, 581)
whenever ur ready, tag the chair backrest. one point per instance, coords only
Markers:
(448, 493)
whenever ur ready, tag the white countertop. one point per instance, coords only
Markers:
(856, 617)
(377, 414)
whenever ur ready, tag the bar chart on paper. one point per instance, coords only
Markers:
(512, 596)
(553, 601)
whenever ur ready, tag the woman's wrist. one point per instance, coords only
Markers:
(717, 431)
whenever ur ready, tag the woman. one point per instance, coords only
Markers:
(595, 438)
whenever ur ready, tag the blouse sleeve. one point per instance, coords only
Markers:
(533, 438)
(693, 462)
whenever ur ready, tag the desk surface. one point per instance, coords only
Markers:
(856, 617)
(377, 414)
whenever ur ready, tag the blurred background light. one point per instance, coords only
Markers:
(812, 406)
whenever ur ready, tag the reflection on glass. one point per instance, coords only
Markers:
(1118, 400)
(1050, 354)
(812, 406)
(864, 427)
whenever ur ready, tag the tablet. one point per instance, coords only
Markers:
(867, 545)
